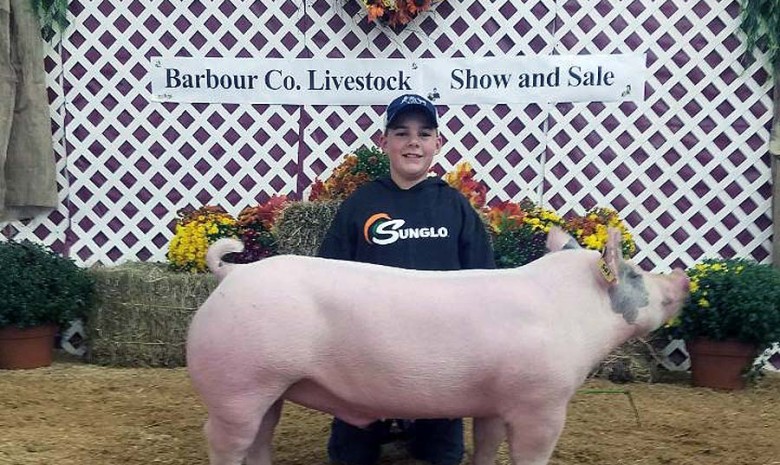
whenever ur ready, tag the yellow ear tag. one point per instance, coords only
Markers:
(605, 271)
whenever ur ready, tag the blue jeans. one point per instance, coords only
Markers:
(439, 442)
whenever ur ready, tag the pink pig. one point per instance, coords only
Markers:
(365, 342)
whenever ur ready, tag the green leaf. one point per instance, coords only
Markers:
(761, 26)
(48, 33)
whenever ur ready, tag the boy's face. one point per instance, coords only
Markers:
(410, 143)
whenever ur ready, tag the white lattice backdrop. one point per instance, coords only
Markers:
(688, 168)
(689, 165)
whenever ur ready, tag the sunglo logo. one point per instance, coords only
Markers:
(380, 229)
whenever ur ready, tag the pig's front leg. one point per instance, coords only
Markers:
(532, 435)
(488, 434)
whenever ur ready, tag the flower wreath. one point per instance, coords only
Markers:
(396, 12)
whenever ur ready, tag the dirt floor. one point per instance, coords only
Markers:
(76, 414)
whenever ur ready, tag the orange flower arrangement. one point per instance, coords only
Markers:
(264, 214)
(396, 12)
(462, 179)
(505, 215)
(358, 168)
(256, 229)
(341, 183)
(508, 215)
(519, 231)
(590, 230)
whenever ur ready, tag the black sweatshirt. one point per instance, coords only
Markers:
(430, 226)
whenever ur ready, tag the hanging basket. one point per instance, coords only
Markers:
(26, 348)
(720, 364)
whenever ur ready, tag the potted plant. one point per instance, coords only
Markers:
(733, 314)
(40, 291)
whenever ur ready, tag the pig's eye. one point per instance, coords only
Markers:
(633, 275)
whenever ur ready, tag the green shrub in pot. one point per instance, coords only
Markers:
(41, 287)
(732, 299)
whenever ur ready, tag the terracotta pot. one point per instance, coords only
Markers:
(720, 364)
(26, 348)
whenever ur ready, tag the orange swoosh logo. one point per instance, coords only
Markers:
(370, 222)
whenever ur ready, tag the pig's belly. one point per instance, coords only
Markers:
(361, 408)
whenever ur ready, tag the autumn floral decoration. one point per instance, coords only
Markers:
(396, 12)
(590, 230)
(363, 165)
(196, 229)
(462, 179)
(519, 229)
(256, 229)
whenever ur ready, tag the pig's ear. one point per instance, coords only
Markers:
(610, 261)
(558, 239)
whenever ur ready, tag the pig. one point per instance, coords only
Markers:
(363, 342)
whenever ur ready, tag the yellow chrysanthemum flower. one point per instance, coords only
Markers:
(193, 234)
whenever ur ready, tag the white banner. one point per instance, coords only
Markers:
(445, 81)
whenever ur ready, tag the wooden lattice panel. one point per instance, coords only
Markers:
(135, 163)
(688, 167)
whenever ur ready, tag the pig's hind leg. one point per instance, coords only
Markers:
(260, 452)
(234, 426)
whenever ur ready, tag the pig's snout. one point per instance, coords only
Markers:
(683, 280)
(676, 291)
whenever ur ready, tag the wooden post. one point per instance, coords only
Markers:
(774, 153)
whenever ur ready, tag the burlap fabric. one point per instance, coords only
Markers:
(28, 185)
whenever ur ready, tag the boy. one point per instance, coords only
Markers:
(409, 220)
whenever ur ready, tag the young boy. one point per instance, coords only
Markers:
(409, 220)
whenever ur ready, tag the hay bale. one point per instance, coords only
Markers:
(302, 226)
(143, 310)
(142, 314)
(636, 360)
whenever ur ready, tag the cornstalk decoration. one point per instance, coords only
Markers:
(761, 25)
